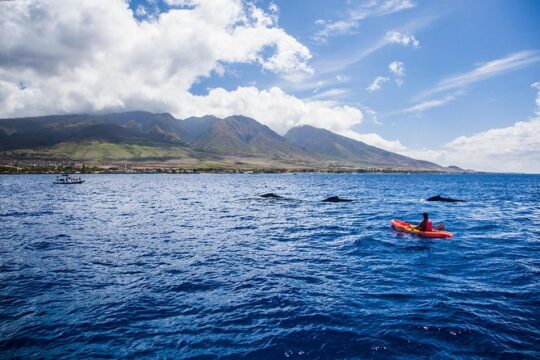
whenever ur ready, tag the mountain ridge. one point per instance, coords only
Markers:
(199, 140)
(332, 146)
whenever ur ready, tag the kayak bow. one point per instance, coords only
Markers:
(405, 227)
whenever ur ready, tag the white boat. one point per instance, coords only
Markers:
(66, 179)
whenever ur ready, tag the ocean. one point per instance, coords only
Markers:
(200, 266)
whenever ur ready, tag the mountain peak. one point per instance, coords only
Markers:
(241, 135)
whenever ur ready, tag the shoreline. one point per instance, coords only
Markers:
(232, 171)
(27, 166)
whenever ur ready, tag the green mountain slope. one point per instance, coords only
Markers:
(331, 146)
(239, 135)
(97, 151)
(132, 127)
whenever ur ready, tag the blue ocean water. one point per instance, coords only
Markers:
(199, 266)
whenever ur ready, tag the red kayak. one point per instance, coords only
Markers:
(402, 226)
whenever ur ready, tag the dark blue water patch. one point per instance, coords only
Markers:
(198, 266)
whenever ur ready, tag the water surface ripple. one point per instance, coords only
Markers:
(199, 266)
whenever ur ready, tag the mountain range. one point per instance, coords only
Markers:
(160, 139)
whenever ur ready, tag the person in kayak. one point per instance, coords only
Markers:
(426, 224)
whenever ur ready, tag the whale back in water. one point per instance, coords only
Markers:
(335, 199)
(271, 196)
(443, 199)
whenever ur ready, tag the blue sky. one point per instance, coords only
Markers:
(455, 82)
(454, 36)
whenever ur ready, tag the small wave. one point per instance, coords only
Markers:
(47, 245)
(189, 287)
(26, 213)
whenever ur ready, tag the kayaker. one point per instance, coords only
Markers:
(426, 224)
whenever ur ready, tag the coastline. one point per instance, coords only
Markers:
(156, 169)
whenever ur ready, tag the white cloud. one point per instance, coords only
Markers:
(386, 7)
(332, 93)
(342, 79)
(94, 55)
(375, 140)
(485, 71)
(180, 3)
(274, 108)
(345, 59)
(397, 68)
(396, 37)
(355, 15)
(272, 7)
(430, 104)
(377, 83)
(514, 148)
(370, 114)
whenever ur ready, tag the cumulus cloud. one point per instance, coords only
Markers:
(95, 55)
(514, 148)
(395, 37)
(397, 68)
(377, 83)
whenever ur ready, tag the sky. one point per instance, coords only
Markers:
(454, 82)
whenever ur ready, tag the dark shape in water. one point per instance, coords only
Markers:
(271, 196)
(336, 199)
(443, 199)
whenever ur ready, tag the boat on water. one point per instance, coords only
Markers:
(402, 226)
(66, 179)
